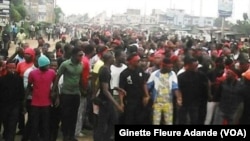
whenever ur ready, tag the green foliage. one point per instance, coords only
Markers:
(15, 15)
(218, 23)
(242, 27)
(21, 10)
(17, 10)
(58, 12)
(245, 16)
(26, 27)
(17, 2)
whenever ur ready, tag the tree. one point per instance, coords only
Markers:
(241, 27)
(17, 10)
(22, 11)
(218, 23)
(17, 2)
(58, 13)
(15, 15)
(245, 16)
(86, 16)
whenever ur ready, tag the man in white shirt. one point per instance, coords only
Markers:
(116, 69)
(26, 134)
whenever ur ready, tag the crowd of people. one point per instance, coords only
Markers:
(107, 79)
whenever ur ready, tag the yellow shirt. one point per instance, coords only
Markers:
(97, 67)
(21, 37)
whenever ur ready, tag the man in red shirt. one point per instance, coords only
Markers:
(42, 80)
(29, 56)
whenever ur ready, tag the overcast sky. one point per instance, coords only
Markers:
(93, 7)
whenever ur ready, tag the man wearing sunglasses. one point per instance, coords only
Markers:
(71, 91)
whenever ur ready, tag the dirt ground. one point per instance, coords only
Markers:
(33, 44)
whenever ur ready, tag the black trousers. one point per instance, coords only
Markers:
(40, 117)
(9, 116)
(134, 112)
(189, 114)
(21, 121)
(69, 110)
(6, 45)
(49, 35)
(89, 117)
(27, 130)
(107, 118)
(55, 118)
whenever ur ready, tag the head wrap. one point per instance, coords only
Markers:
(134, 59)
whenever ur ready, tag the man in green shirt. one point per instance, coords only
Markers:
(70, 92)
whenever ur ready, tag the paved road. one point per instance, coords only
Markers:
(33, 43)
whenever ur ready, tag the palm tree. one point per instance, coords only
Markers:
(245, 17)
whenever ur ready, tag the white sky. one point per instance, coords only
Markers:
(93, 7)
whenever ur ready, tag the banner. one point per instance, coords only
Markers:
(225, 8)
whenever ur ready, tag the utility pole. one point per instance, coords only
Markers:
(129, 2)
(10, 12)
(222, 27)
(248, 8)
(201, 7)
(31, 12)
(54, 10)
(170, 4)
(192, 8)
(145, 8)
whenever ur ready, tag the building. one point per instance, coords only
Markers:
(201, 21)
(4, 12)
(40, 10)
(133, 12)
(248, 13)
(119, 19)
(75, 19)
(170, 17)
(99, 19)
(148, 20)
(162, 18)
(178, 17)
(131, 16)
